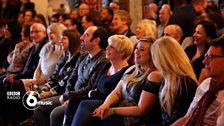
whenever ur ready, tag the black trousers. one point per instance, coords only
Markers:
(12, 111)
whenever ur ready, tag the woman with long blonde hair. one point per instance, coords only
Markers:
(180, 83)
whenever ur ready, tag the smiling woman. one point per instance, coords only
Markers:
(145, 28)
(179, 79)
(204, 31)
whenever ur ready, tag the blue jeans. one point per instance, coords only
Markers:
(83, 116)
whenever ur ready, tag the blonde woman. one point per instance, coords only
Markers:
(180, 83)
(133, 102)
(145, 28)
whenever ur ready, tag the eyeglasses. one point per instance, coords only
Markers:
(211, 56)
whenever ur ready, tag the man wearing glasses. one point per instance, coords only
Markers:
(207, 108)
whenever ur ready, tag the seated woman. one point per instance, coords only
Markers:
(18, 57)
(180, 83)
(204, 31)
(118, 51)
(71, 44)
(49, 55)
(134, 100)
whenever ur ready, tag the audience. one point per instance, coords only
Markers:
(55, 85)
(134, 100)
(13, 82)
(49, 55)
(118, 51)
(69, 73)
(207, 108)
(82, 78)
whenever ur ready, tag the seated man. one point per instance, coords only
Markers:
(207, 107)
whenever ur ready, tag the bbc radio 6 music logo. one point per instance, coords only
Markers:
(31, 103)
(13, 95)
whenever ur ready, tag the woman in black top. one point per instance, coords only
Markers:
(179, 84)
(204, 31)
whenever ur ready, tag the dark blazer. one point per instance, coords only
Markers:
(27, 6)
(32, 62)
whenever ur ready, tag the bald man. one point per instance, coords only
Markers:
(174, 31)
(164, 16)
